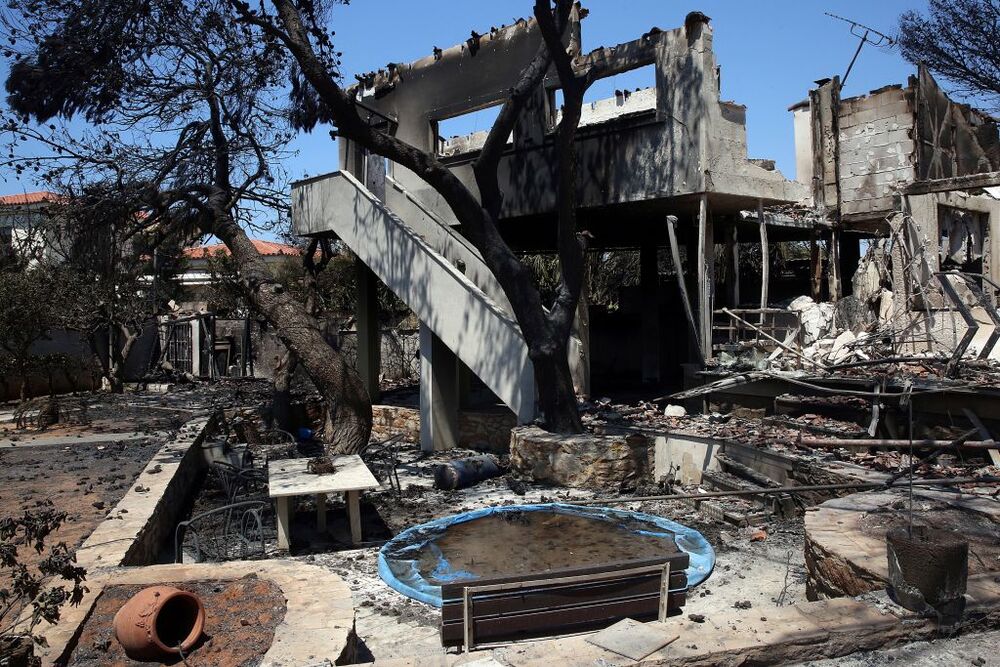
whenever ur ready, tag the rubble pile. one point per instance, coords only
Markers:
(788, 434)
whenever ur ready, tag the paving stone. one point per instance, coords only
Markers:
(845, 615)
(633, 639)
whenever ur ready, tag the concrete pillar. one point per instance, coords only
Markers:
(439, 393)
(649, 280)
(196, 347)
(465, 382)
(369, 347)
(765, 259)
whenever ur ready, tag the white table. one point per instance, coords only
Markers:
(287, 478)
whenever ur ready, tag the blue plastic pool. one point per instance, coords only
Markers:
(415, 564)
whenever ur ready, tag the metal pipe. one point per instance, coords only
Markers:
(856, 54)
(833, 443)
(930, 457)
(784, 489)
(676, 256)
(885, 360)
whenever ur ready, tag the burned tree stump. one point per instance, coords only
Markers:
(845, 538)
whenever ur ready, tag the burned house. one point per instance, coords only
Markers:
(672, 149)
(915, 176)
(208, 334)
(830, 466)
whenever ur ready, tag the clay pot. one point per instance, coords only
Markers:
(158, 619)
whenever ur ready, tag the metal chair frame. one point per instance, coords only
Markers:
(242, 527)
(382, 459)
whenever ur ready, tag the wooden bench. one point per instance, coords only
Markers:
(579, 599)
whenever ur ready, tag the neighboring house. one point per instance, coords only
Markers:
(197, 324)
(21, 219)
(196, 277)
(910, 165)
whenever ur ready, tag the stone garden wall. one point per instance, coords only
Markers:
(487, 431)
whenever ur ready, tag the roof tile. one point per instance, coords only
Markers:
(265, 248)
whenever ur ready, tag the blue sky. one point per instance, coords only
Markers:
(770, 51)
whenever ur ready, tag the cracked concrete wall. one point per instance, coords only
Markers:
(877, 150)
(871, 146)
(863, 148)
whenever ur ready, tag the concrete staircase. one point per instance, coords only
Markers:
(418, 257)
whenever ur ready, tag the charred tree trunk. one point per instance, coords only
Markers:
(556, 395)
(112, 359)
(103, 358)
(349, 409)
(118, 357)
(281, 392)
(23, 363)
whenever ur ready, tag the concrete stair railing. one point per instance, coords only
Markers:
(479, 330)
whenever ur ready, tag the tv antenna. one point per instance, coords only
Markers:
(866, 35)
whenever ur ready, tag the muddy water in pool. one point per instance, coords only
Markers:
(518, 542)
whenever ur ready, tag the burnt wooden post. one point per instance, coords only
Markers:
(733, 253)
(765, 257)
(681, 284)
(706, 276)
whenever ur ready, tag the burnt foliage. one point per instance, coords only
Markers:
(960, 40)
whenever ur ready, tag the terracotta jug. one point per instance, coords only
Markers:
(157, 620)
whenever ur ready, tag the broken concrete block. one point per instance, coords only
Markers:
(817, 318)
(866, 281)
(851, 313)
(674, 411)
(801, 303)
(840, 351)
